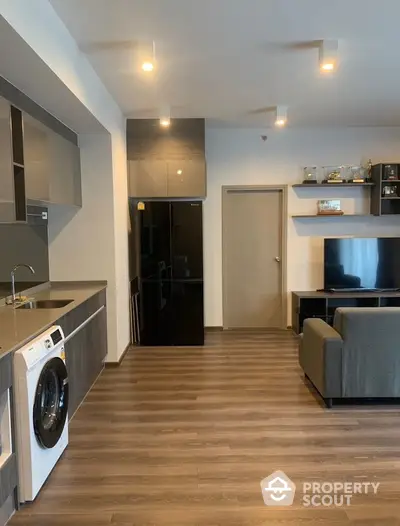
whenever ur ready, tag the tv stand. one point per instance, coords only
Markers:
(322, 304)
(333, 290)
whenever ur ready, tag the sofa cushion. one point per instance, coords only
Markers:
(371, 351)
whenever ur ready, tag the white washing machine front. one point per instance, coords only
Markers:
(41, 409)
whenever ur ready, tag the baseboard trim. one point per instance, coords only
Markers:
(213, 329)
(118, 363)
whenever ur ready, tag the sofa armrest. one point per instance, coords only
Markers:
(320, 356)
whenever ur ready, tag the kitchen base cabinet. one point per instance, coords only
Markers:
(8, 459)
(85, 352)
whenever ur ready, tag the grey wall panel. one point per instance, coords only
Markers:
(22, 243)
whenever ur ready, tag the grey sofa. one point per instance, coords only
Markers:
(359, 357)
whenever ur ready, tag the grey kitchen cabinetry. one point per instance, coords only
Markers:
(85, 330)
(65, 182)
(8, 459)
(37, 160)
(147, 178)
(7, 206)
(186, 178)
(178, 178)
(52, 166)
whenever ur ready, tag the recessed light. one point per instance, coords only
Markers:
(328, 56)
(179, 172)
(281, 116)
(148, 67)
(165, 116)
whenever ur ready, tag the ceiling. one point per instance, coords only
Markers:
(233, 60)
(27, 71)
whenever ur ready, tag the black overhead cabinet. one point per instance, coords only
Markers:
(170, 269)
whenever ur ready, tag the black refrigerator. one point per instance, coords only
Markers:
(167, 237)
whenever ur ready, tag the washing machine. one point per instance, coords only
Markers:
(41, 409)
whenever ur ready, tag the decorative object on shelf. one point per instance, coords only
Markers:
(310, 175)
(329, 207)
(357, 174)
(389, 190)
(390, 172)
(333, 174)
(369, 169)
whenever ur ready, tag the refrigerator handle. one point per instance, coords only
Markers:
(137, 318)
(135, 329)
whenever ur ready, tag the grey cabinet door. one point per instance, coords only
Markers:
(85, 353)
(147, 178)
(37, 160)
(7, 205)
(75, 350)
(187, 178)
(65, 183)
(52, 166)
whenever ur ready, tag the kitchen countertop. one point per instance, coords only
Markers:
(19, 326)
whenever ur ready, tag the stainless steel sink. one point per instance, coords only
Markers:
(45, 304)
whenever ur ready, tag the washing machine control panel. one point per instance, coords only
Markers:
(48, 344)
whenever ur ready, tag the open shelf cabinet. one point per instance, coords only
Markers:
(314, 304)
(332, 185)
(383, 203)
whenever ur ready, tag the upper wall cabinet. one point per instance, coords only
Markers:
(65, 180)
(186, 178)
(166, 162)
(147, 178)
(52, 165)
(39, 157)
(7, 206)
(37, 160)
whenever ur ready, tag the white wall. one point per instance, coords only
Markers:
(240, 157)
(90, 243)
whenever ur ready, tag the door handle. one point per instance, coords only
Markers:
(278, 259)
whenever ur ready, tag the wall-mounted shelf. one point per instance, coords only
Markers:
(303, 216)
(331, 185)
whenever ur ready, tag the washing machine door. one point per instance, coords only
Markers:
(51, 403)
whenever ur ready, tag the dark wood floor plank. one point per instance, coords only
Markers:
(183, 437)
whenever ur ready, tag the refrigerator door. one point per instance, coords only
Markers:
(156, 313)
(187, 240)
(155, 249)
(187, 318)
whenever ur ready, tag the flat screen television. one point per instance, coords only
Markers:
(362, 263)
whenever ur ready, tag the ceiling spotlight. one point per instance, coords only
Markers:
(328, 55)
(147, 67)
(179, 172)
(281, 116)
(165, 117)
(147, 55)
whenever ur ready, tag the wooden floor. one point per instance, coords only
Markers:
(183, 437)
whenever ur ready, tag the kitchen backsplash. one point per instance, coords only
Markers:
(22, 243)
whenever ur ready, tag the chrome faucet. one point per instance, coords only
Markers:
(13, 278)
